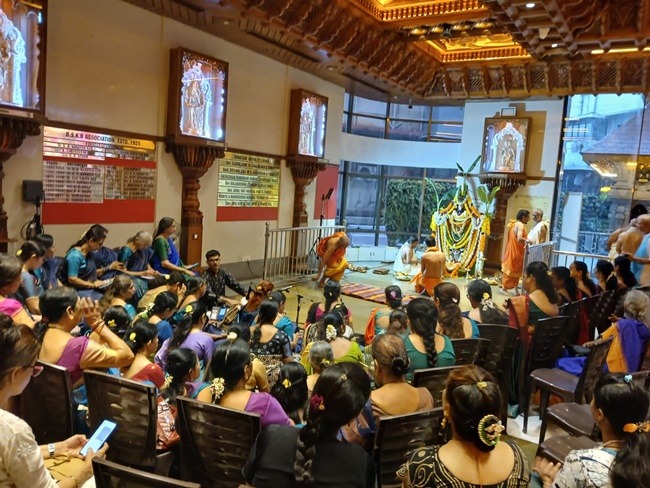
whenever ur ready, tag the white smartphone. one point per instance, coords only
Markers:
(99, 437)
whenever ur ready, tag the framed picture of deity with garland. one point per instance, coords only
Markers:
(307, 124)
(198, 88)
(22, 57)
(505, 144)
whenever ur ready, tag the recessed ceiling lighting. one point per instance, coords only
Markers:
(226, 22)
(530, 5)
(330, 68)
(554, 45)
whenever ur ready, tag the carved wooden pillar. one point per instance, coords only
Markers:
(193, 162)
(508, 185)
(12, 134)
(303, 173)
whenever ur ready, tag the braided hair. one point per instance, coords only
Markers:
(180, 363)
(291, 390)
(194, 314)
(423, 317)
(539, 272)
(228, 366)
(449, 314)
(339, 396)
(140, 334)
(165, 300)
(266, 315)
(331, 292)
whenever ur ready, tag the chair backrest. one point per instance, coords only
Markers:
(112, 475)
(589, 305)
(642, 377)
(470, 351)
(592, 370)
(498, 359)
(398, 436)
(215, 442)
(132, 406)
(573, 311)
(434, 380)
(46, 404)
(546, 344)
(599, 314)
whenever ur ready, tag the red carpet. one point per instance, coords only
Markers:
(372, 293)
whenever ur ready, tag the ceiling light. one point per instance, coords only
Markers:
(554, 45)
(530, 5)
(418, 31)
(330, 68)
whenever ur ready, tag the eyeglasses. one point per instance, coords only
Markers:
(36, 370)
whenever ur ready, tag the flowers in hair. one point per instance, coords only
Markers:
(491, 434)
(132, 336)
(168, 381)
(231, 336)
(393, 294)
(111, 323)
(189, 309)
(330, 333)
(218, 387)
(640, 427)
(317, 403)
(20, 251)
(286, 383)
(627, 378)
(486, 296)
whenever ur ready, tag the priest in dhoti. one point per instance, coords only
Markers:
(406, 261)
(431, 268)
(539, 233)
(512, 265)
(331, 251)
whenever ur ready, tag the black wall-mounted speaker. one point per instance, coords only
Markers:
(32, 191)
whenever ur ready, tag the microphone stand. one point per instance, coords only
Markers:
(300, 298)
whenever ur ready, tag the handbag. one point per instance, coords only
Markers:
(166, 434)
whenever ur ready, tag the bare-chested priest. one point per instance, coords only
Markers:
(331, 250)
(629, 241)
(432, 266)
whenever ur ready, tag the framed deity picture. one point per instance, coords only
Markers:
(307, 124)
(198, 86)
(22, 57)
(505, 142)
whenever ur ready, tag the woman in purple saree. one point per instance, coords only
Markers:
(230, 368)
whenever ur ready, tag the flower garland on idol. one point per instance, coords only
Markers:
(460, 231)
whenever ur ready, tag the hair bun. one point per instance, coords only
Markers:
(400, 365)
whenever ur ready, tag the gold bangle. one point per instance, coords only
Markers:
(74, 478)
(96, 324)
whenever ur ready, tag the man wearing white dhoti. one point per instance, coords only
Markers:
(406, 260)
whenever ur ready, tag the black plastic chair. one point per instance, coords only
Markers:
(215, 442)
(570, 388)
(133, 407)
(498, 361)
(46, 404)
(111, 475)
(398, 436)
(543, 351)
(434, 380)
(470, 351)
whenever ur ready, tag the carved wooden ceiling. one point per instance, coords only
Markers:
(440, 49)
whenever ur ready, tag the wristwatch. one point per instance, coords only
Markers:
(51, 449)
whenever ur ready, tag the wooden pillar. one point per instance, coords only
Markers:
(303, 173)
(193, 162)
(12, 134)
(508, 186)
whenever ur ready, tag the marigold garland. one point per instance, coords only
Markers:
(460, 230)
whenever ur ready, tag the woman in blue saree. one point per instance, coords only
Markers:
(135, 256)
(165, 258)
(47, 274)
(79, 269)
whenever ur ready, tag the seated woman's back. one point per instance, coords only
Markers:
(283, 455)
(394, 395)
(474, 456)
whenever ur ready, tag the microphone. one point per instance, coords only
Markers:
(285, 288)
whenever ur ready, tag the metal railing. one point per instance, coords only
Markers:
(593, 242)
(537, 252)
(290, 253)
(565, 258)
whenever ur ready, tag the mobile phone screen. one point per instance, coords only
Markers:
(222, 313)
(99, 437)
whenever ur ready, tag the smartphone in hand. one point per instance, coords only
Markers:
(99, 437)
